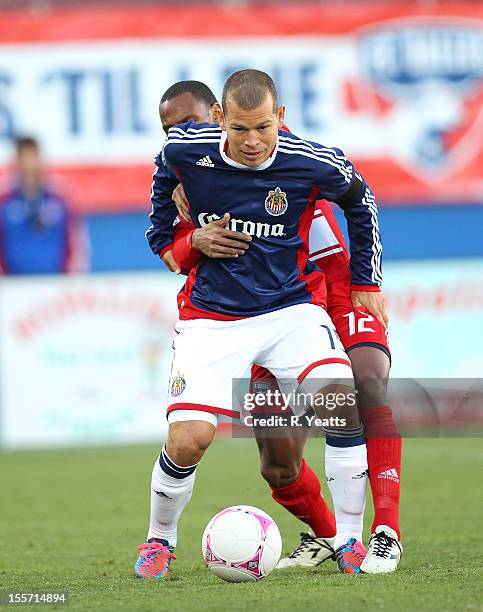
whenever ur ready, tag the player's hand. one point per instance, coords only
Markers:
(182, 204)
(215, 241)
(170, 262)
(373, 301)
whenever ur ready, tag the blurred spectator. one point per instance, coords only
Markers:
(39, 231)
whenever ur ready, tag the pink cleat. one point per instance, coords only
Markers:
(154, 559)
(350, 556)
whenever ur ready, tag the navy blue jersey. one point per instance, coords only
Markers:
(274, 203)
(35, 233)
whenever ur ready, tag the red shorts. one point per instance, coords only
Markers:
(358, 327)
(355, 326)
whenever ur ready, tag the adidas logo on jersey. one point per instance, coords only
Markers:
(389, 475)
(205, 161)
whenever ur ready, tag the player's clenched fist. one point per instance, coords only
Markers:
(215, 241)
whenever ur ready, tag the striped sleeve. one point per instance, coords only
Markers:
(360, 211)
(340, 183)
(163, 210)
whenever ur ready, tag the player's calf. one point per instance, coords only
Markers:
(384, 443)
(303, 498)
(172, 484)
(280, 458)
(296, 487)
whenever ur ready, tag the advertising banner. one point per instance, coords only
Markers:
(399, 89)
(436, 318)
(87, 360)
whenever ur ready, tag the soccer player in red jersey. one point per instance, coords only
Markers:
(364, 336)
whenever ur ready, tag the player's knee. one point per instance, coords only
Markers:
(371, 391)
(371, 370)
(279, 476)
(337, 406)
(188, 441)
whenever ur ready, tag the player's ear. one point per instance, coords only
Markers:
(216, 112)
(281, 116)
(222, 119)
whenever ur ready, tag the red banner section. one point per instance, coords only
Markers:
(398, 87)
(213, 21)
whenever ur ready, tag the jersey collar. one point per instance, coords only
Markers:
(231, 162)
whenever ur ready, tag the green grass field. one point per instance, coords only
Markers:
(71, 520)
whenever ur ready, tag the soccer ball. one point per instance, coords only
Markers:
(241, 544)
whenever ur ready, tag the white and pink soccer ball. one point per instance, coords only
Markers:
(241, 544)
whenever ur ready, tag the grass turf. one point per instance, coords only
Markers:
(71, 520)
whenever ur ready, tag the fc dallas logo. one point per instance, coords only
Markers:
(421, 80)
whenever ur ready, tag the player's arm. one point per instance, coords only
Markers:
(329, 252)
(338, 280)
(327, 247)
(360, 210)
(185, 255)
(341, 184)
(163, 210)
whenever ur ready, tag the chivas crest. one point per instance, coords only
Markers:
(178, 385)
(276, 202)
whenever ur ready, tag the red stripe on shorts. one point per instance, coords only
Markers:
(203, 408)
(309, 368)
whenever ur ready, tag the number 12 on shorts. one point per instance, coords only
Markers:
(358, 325)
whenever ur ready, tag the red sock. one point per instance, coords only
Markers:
(384, 460)
(303, 499)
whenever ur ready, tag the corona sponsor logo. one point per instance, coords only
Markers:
(247, 227)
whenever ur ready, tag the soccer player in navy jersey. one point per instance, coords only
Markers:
(245, 156)
(294, 485)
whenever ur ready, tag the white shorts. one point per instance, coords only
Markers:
(297, 344)
(174, 416)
